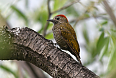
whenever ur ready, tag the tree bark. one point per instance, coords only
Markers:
(27, 45)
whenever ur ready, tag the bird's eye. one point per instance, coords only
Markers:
(57, 18)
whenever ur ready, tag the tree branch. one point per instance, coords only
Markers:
(109, 11)
(27, 45)
(49, 15)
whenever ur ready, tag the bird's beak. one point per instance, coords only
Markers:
(51, 20)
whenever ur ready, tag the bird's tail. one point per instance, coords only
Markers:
(78, 58)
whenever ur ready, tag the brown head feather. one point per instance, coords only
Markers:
(62, 16)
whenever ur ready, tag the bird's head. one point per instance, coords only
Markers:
(59, 19)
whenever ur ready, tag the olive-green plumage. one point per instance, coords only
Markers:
(65, 35)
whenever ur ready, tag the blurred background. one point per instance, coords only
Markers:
(93, 20)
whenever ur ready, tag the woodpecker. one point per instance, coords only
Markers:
(65, 35)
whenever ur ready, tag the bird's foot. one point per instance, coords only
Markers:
(55, 44)
(51, 42)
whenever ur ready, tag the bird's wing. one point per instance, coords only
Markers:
(70, 28)
(70, 40)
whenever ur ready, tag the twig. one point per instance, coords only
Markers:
(109, 11)
(49, 15)
(83, 17)
(62, 8)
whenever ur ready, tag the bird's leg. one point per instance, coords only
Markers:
(78, 58)
(55, 44)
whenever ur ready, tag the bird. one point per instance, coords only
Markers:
(65, 35)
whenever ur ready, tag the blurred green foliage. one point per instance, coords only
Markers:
(112, 62)
(58, 4)
(20, 14)
(9, 70)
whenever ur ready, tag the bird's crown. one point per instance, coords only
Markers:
(62, 16)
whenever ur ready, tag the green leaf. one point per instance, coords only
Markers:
(101, 29)
(85, 34)
(113, 36)
(86, 15)
(21, 14)
(9, 70)
(104, 23)
(105, 48)
(112, 61)
(101, 42)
